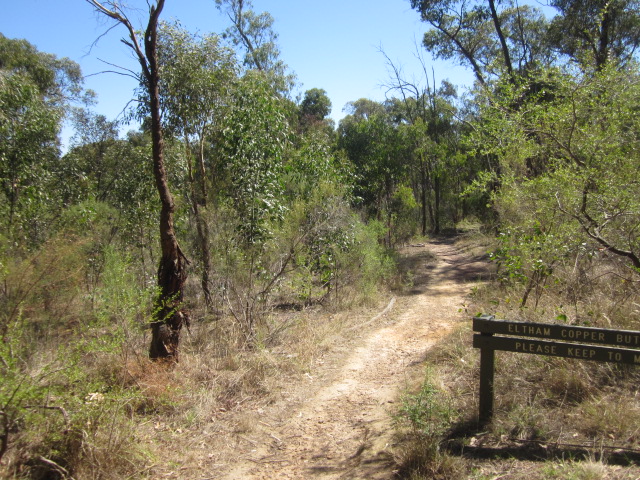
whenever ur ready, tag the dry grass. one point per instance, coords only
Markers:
(213, 398)
(84, 320)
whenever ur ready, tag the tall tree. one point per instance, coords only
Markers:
(101, 167)
(479, 34)
(169, 316)
(583, 204)
(255, 34)
(594, 32)
(371, 142)
(36, 90)
(195, 86)
(426, 113)
(254, 139)
(314, 108)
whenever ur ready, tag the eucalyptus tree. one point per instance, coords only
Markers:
(36, 90)
(254, 34)
(101, 167)
(315, 106)
(87, 169)
(594, 32)
(195, 88)
(58, 80)
(482, 35)
(169, 316)
(583, 204)
(372, 143)
(426, 115)
(255, 135)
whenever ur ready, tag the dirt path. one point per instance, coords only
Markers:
(343, 429)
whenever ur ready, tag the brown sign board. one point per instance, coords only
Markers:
(621, 338)
(559, 349)
(584, 343)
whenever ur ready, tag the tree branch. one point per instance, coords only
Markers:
(503, 42)
(593, 230)
(117, 15)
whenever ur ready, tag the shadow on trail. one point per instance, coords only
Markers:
(486, 446)
(538, 451)
(418, 264)
(469, 441)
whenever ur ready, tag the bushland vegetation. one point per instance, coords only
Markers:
(551, 120)
(285, 220)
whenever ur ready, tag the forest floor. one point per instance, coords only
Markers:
(336, 420)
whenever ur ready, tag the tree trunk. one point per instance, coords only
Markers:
(423, 196)
(172, 272)
(199, 199)
(503, 42)
(437, 195)
(204, 233)
(168, 317)
(602, 53)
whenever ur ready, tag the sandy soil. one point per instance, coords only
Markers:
(338, 423)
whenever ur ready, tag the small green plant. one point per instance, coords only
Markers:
(570, 470)
(428, 412)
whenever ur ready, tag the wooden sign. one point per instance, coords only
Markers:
(626, 338)
(584, 343)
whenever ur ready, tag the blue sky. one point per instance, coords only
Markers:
(330, 44)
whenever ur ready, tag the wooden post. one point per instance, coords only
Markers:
(487, 358)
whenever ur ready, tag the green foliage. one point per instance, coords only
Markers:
(35, 91)
(63, 397)
(28, 146)
(109, 178)
(196, 76)
(568, 154)
(428, 412)
(529, 255)
(313, 162)
(255, 136)
(254, 33)
(403, 208)
(369, 263)
(596, 32)
(328, 227)
(119, 303)
(488, 37)
(57, 80)
(372, 144)
(318, 252)
(315, 106)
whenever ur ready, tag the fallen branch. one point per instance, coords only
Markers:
(50, 407)
(383, 312)
(61, 470)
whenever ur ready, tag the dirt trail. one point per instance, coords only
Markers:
(343, 429)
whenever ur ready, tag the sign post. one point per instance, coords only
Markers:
(584, 343)
(487, 359)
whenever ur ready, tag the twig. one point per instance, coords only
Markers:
(48, 407)
(557, 444)
(383, 312)
(63, 471)
(253, 442)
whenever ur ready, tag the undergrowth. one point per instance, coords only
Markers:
(79, 398)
